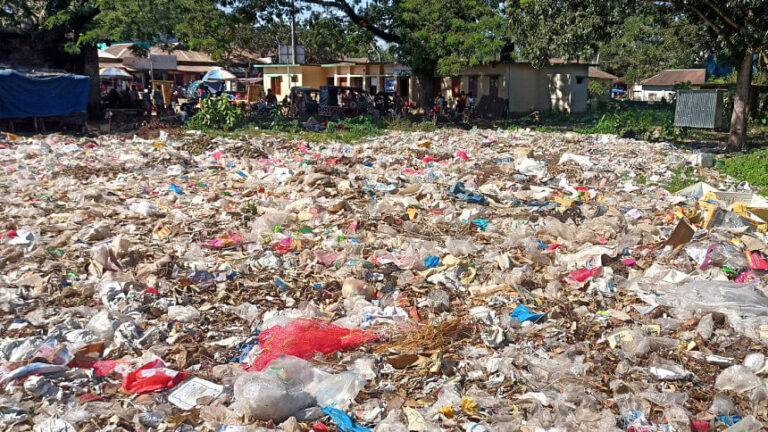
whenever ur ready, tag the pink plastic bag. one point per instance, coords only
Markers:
(225, 240)
(304, 338)
(152, 376)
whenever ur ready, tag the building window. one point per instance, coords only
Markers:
(473, 85)
(294, 78)
(493, 86)
(277, 84)
(579, 80)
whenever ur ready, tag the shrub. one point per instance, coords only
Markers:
(751, 167)
(217, 113)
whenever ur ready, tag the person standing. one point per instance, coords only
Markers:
(147, 101)
(157, 96)
(134, 97)
(271, 99)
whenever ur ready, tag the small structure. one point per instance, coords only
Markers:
(661, 87)
(560, 86)
(371, 77)
(60, 98)
(699, 109)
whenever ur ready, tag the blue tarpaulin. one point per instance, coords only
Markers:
(22, 96)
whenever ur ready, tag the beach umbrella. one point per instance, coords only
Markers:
(219, 75)
(114, 73)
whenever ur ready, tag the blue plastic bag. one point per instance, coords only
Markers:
(480, 223)
(522, 313)
(343, 421)
(459, 191)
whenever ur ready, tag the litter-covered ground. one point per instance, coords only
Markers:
(453, 280)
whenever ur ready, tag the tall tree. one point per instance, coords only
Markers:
(734, 29)
(54, 26)
(737, 30)
(648, 43)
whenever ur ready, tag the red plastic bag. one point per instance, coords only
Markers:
(304, 338)
(583, 274)
(755, 261)
(152, 376)
(104, 367)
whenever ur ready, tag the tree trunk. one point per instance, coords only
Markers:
(736, 140)
(426, 98)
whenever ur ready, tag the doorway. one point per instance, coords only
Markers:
(402, 87)
(276, 85)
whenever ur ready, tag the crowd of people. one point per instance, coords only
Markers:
(464, 104)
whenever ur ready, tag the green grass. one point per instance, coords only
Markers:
(348, 131)
(650, 122)
(751, 167)
(683, 178)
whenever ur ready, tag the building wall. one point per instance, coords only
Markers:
(526, 88)
(293, 76)
(368, 75)
(314, 77)
(653, 93)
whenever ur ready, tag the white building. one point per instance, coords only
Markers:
(662, 86)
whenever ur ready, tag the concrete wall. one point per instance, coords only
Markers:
(314, 77)
(653, 93)
(526, 88)
(304, 76)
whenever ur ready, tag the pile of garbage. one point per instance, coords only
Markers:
(452, 280)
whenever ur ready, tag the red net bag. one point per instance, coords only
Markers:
(304, 338)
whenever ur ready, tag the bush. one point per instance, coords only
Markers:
(217, 113)
(651, 122)
(596, 89)
(751, 167)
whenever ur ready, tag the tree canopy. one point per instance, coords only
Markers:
(647, 43)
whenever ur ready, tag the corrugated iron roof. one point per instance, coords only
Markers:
(671, 77)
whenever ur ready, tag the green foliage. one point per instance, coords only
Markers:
(147, 21)
(682, 179)
(647, 42)
(751, 167)
(430, 36)
(348, 130)
(651, 123)
(596, 89)
(571, 29)
(443, 36)
(59, 21)
(217, 113)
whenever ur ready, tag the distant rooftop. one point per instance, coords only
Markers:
(671, 77)
(601, 74)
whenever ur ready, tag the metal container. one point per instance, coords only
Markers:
(701, 109)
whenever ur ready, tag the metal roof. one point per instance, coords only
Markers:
(596, 73)
(671, 77)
